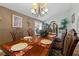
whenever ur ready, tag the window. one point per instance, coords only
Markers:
(38, 27)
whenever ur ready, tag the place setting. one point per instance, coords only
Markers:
(45, 42)
(20, 48)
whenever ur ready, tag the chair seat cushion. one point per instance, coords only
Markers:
(58, 39)
(54, 52)
(57, 45)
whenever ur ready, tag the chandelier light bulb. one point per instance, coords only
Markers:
(46, 10)
(43, 12)
(32, 10)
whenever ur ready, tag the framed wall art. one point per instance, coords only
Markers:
(73, 18)
(16, 21)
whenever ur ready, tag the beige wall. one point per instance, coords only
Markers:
(6, 23)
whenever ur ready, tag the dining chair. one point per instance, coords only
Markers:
(74, 43)
(30, 32)
(58, 42)
(17, 34)
(68, 46)
(53, 25)
(4, 52)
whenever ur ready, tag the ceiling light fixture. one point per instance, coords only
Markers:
(39, 9)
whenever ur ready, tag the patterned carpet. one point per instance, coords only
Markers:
(76, 51)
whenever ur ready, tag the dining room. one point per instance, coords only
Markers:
(39, 29)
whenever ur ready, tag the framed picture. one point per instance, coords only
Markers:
(73, 18)
(16, 21)
(77, 26)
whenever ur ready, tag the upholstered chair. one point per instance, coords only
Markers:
(17, 34)
(69, 45)
(30, 32)
(58, 42)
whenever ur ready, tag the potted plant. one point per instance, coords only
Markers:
(43, 33)
(64, 24)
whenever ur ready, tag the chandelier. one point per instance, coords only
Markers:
(39, 9)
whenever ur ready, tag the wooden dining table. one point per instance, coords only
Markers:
(35, 48)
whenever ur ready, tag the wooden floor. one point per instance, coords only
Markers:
(76, 51)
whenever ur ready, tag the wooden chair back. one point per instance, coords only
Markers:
(30, 32)
(64, 34)
(53, 25)
(57, 39)
(69, 43)
(17, 34)
(74, 42)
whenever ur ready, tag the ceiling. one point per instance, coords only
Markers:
(25, 8)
